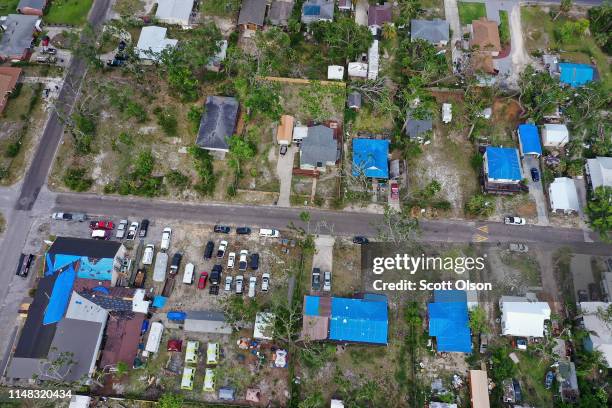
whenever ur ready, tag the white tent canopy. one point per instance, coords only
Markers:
(554, 135)
(522, 317)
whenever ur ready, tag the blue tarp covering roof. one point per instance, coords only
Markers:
(159, 301)
(88, 268)
(576, 74)
(449, 321)
(503, 163)
(530, 139)
(311, 306)
(60, 296)
(370, 158)
(359, 320)
(312, 10)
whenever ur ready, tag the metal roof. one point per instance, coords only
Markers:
(449, 321)
(315, 10)
(218, 122)
(17, 37)
(529, 137)
(253, 12)
(174, 11)
(359, 320)
(370, 157)
(503, 163)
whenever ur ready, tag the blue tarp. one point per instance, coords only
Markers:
(449, 321)
(60, 296)
(359, 320)
(159, 301)
(530, 139)
(176, 316)
(311, 306)
(312, 10)
(101, 289)
(576, 74)
(88, 268)
(370, 157)
(503, 163)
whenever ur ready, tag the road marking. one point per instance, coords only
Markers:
(480, 238)
(484, 228)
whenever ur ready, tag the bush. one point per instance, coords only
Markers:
(194, 116)
(203, 163)
(12, 150)
(167, 120)
(135, 110)
(75, 179)
(177, 179)
(480, 205)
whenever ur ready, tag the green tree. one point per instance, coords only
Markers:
(599, 210)
(170, 400)
(194, 115)
(564, 8)
(76, 179)
(503, 366)
(478, 320)
(540, 94)
(273, 50)
(600, 25)
(203, 164)
(343, 39)
(409, 9)
(240, 150)
(263, 98)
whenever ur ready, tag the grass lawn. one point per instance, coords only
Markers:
(8, 7)
(222, 8)
(469, 12)
(72, 12)
(531, 372)
(504, 27)
(539, 34)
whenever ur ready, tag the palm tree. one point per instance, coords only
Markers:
(389, 32)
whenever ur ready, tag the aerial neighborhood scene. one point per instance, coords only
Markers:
(306, 203)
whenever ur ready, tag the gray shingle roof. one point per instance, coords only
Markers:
(253, 12)
(354, 100)
(35, 4)
(416, 127)
(315, 10)
(319, 146)
(218, 122)
(280, 11)
(433, 31)
(17, 37)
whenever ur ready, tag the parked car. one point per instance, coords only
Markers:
(239, 280)
(101, 234)
(360, 240)
(252, 285)
(255, 262)
(215, 275)
(548, 381)
(222, 229)
(133, 231)
(270, 233)
(144, 228)
(226, 394)
(231, 259)
(80, 217)
(514, 221)
(46, 59)
(25, 262)
(242, 261)
(221, 249)
(521, 344)
(394, 191)
(147, 256)
(166, 236)
(316, 279)
(105, 225)
(176, 263)
(121, 229)
(61, 216)
(228, 283)
(208, 251)
(484, 344)
(243, 231)
(283, 150)
(202, 280)
(535, 174)
(121, 45)
(265, 282)
(327, 281)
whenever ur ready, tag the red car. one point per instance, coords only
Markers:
(394, 191)
(202, 281)
(105, 225)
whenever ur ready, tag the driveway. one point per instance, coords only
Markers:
(361, 12)
(284, 168)
(536, 190)
(324, 253)
(451, 11)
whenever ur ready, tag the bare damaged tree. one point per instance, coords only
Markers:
(56, 370)
(397, 227)
(378, 93)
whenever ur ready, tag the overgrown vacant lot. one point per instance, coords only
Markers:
(71, 12)
(469, 12)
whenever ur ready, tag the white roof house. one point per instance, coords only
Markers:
(139, 304)
(599, 170)
(174, 12)
(600, 332)
(563, 195)
(263, 326)
(357, 70)
(153, 41)
(335, 72)
(523, 316)
(373, 60)
(447, 112)
(554, 135)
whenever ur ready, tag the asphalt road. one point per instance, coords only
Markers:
(36, 176)
(326, 221)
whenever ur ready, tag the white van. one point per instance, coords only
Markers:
(165, 241)
(188, 275)
(191, 355)
(212, 354)
(100, 234)
(269, 233)
(155, 337)
(147, 256)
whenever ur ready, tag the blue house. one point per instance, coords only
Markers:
(354, 320)
(449, 321)
(370, 157)
(529, 140)
(576, 74)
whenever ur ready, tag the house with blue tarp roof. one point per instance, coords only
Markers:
(358, 320)
(576, 75)
(501, 170)
(449, 321)
(529, 140)
(370, 158)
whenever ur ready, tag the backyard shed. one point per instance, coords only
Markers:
(284, 132)
(555, 135)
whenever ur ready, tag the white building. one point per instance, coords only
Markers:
(358, 70)
(153, 41)
(335, 72)
(600, 332)
(563, 196)
(554, 135)
(174, 12)
(447, 112)
(599, 172)
(373, 60)
(523, 316)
